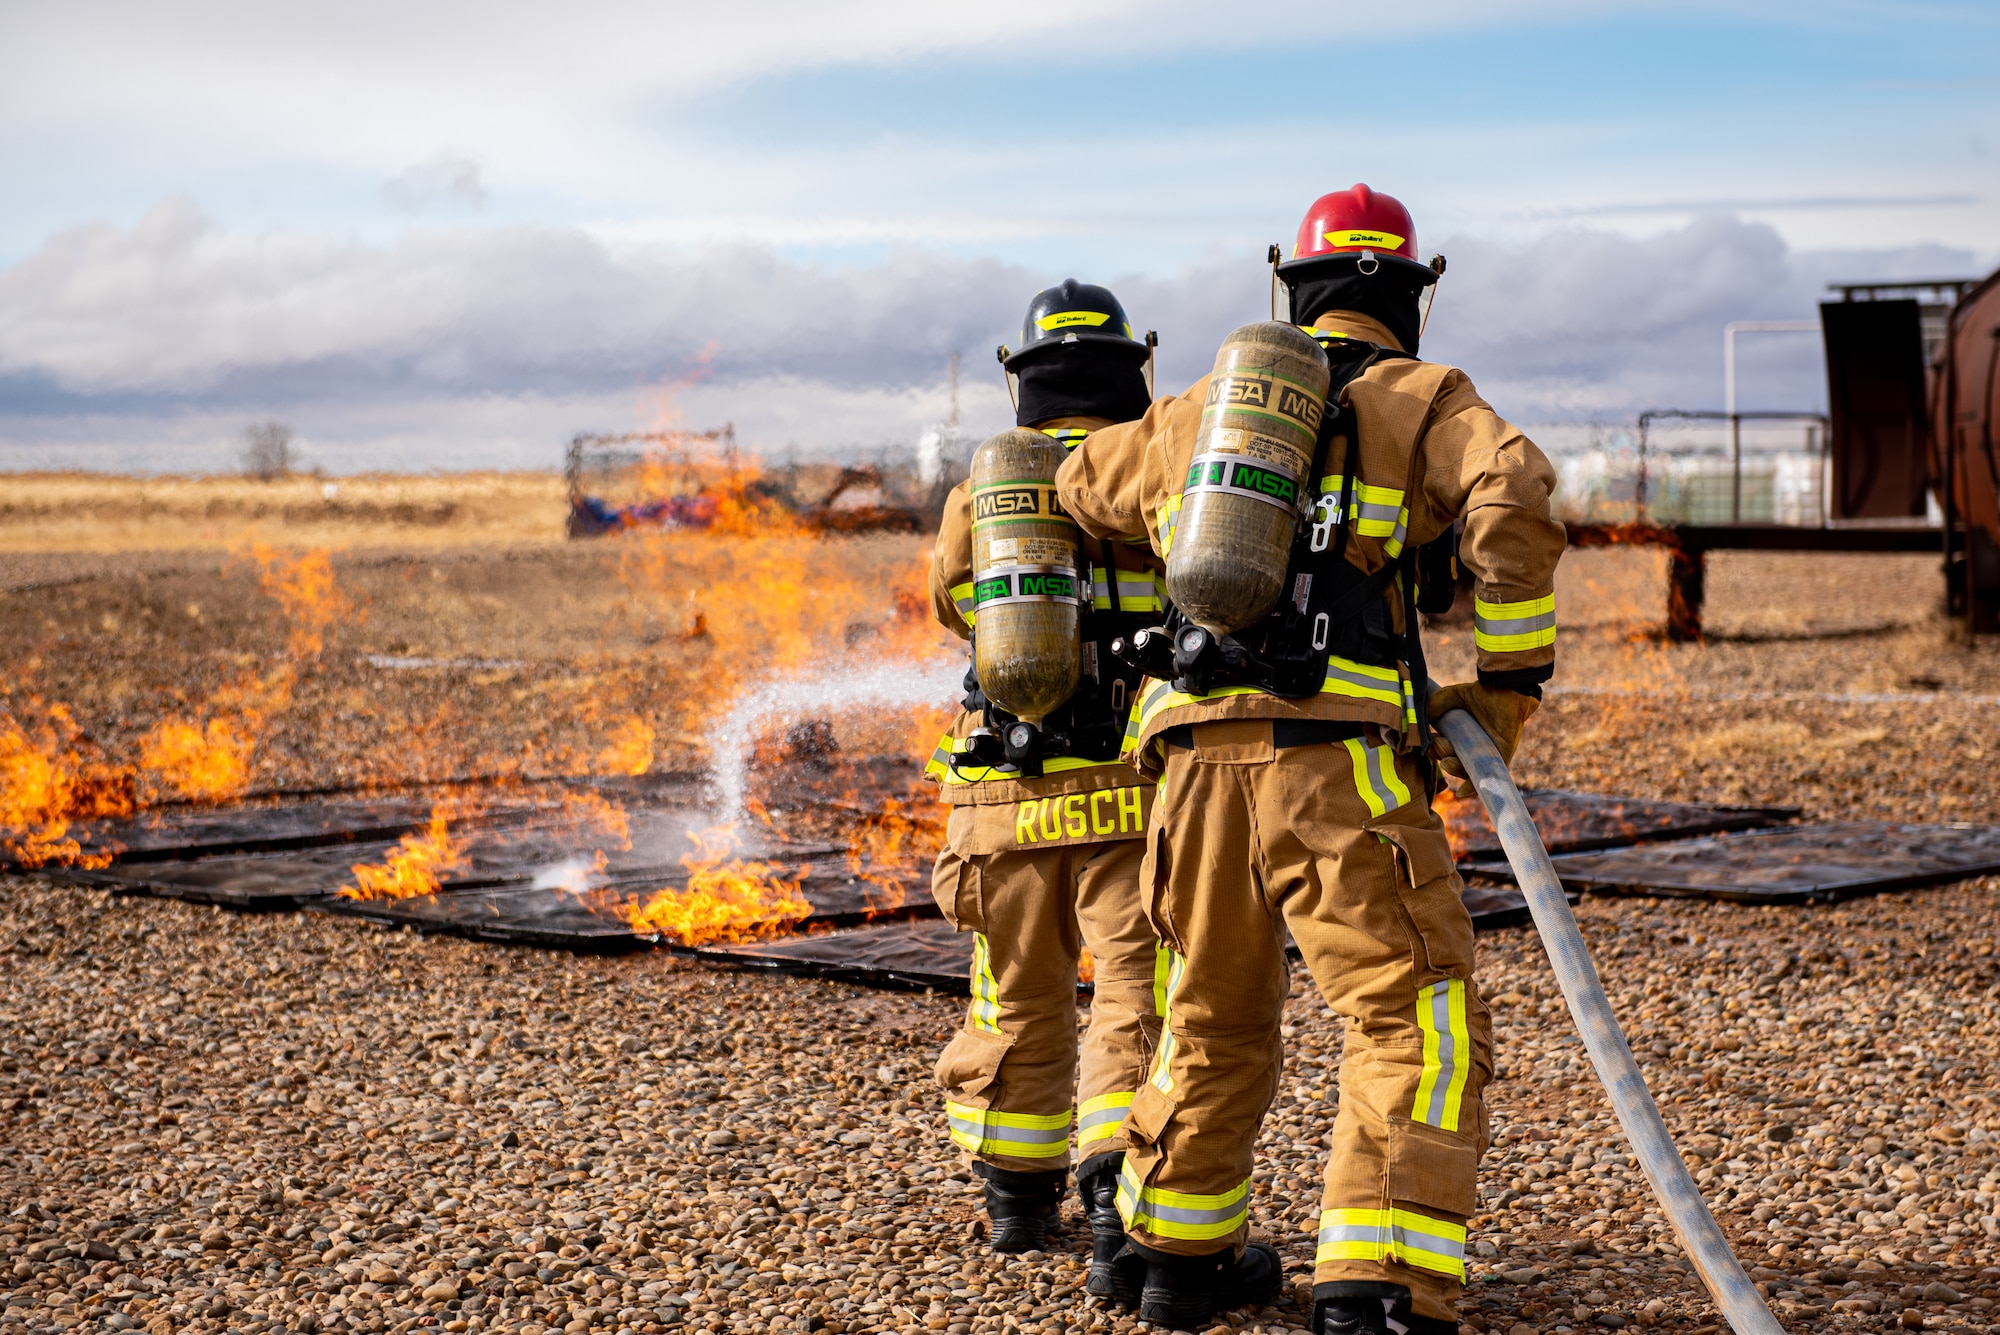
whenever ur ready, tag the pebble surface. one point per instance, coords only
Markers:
(218, 1121)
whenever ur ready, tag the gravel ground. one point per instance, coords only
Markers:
(219, 1121)
(214, 1121)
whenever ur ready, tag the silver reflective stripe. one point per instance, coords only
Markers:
(1101, 1116)
(1447, 1052)
(980, 1129)
(1514, 625)
(1398, 1234)
(1377, 780)
(1387, 514)
(1335, 672)
(1135, 589)
(1183, 1214)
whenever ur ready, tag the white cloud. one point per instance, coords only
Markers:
(453, 346)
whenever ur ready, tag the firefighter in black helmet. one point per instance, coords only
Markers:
(1043, 850)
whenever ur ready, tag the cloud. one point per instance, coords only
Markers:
(447, 345)
(447, 180)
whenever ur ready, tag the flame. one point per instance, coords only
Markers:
(210, 759)
(416, 866)
(1086, 966)
(629, 750)
(207, 762)
(47, 783)
(890, 846)
(726, 899)
(589, 809)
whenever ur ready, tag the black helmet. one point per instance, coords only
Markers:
(1071, 314)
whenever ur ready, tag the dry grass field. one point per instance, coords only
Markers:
(273, 1123)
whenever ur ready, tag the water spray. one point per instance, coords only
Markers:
(820, 694)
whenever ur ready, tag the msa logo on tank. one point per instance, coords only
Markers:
(1269, 394)
(1005, 502)
(1051, 585)
(1073, 817)
(1225, 474)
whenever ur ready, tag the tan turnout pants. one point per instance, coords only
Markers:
(1011, 1074)
(1335, 842)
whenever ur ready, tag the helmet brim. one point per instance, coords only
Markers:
(1334, 263)
(1050, 347)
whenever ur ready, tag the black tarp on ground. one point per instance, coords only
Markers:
(1576, 822)
(927, 953)
(590, 920)
(1798, 864)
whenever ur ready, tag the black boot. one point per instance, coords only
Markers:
(1024, 1207)
(1365, 1308)
(1186, 1292)
(1116, 1271)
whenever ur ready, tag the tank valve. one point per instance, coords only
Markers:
(1024, 748)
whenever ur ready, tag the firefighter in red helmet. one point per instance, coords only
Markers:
(1296, 768)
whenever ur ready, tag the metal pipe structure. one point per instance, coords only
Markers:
(1729, 333)
(1700, 1237)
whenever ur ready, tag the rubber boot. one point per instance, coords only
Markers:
(1024, 1207)
(1364, 1308)
(1116, 1271)
(1187, 1292)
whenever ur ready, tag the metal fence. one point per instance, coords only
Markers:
(1705, 468)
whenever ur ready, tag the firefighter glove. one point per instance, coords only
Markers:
(1501, 713)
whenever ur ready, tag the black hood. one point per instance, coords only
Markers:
(1385, 296)
(1082, 380)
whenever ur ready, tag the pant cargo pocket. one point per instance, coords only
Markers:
(1429, 1166)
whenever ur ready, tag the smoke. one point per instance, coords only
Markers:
(460, 347)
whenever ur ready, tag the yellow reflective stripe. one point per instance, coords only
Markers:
(1170, 519)
(1101, 1118)
(985, 1013)
(1447, 1054)
(1069, 436)
(968, 606)
(1015, 1135)
(1065, 319)
(1344, 676)
(1375, 777)
(1163, 963)
(939, 767)
(1511, 627)
(1180, 1214)
(1138, 591)
(1163, 1078)
(1402, 1235)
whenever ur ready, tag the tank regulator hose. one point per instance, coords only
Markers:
(1742, 1306)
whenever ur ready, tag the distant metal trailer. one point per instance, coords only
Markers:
(1964, 412)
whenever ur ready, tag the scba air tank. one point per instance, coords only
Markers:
(1028, 642)
(1239, 505)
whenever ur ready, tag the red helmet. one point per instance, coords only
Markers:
(1359, 228)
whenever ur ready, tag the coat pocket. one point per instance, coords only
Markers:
(1429, 1166)
(970, 1063)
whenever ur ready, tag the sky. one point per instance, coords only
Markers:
(448, 235)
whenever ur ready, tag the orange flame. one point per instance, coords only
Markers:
(205, 762)
(416, 867)
(210, 760)
(47, 784)
(726, 899)
(891, 845)
(629, 750)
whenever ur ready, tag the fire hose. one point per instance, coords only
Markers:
(1742, 1306)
